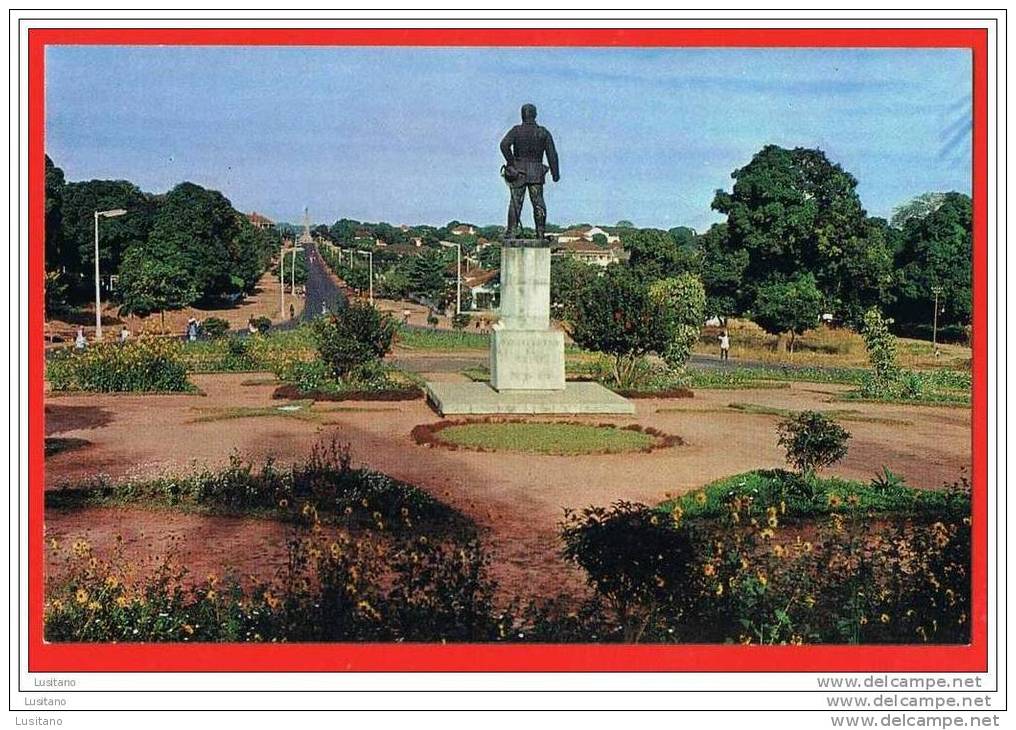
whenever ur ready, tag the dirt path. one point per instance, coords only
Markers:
(516, 499)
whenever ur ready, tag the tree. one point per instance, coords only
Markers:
(202, 226)
(569, 280)
(624, 224)
(618, 317)
(353, 338)
(812, 441)
(683, 236)
(54, 215)
(427, 275)
(788, 306)
(722, 272)
(937, 251)
(795, 212)
(916, 208)
(344, 230)
(654, 254)
(252, 250)
(684, 299)
(80, 200)
(154, 279)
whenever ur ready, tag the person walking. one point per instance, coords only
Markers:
(192, 329)
(124, 334)
(80, 342)
(724, 345)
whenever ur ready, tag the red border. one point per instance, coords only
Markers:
(415, 657)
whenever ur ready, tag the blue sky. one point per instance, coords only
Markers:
(410, 135)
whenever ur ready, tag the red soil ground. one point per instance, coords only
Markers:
(516, 499)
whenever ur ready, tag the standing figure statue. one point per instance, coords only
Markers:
(523, 148)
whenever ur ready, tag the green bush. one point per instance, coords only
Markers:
(262, 324)
(812, 440)
(461, 321)
(214, 327)
(353, 339)
(146, 364)
(638, 560)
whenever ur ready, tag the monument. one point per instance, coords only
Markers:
(526, 352)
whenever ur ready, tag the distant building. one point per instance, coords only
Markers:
(589, 252)
(463, 230)
(585, 233)
(259, 221)
(484, 288)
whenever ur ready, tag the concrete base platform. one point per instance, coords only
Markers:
(453, 399)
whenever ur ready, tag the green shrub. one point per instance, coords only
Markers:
(146, 364)
(262, 324)
(638, 560)
(812, 440)
(214, 327)
(354, 338)
(461, 321)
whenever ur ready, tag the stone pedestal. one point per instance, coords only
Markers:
(525, 352)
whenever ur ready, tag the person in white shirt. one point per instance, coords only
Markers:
(724, 345)
(124, 334)
(80, 342)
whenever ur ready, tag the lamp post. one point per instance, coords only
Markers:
(936, 290)
(282, 276)
(370, 280)
(458, 273)
(113, 213)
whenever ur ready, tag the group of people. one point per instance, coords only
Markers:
(81, 342)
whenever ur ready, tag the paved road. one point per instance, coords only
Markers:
(322, 292)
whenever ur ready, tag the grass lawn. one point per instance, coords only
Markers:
(797, 496)
(546, 438)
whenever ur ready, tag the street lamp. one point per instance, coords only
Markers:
(370, 258)
(458, 272)
(113, 213)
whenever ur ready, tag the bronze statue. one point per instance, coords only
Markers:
(523, 148)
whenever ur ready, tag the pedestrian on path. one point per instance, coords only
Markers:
(724, 345)
(80, 342)
(124, 334)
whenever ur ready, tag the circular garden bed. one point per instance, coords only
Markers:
(542, 437)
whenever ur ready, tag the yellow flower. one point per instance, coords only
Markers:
(111, 581)
(762, 579)
(807, 547)
(772, 522)
(719, 589)
(884, 618)
(677, 514)
(796, 640)
(94, 606)
(771, 512)
(121, 601)
(853, 500)
(272, 601)
(834, 500)
(283, 503)
(744, 639)
(779, 551)
(783, 507)
(81, 596)
(700, 497)
(767, 533)
(809, 601)
(864, 620)
(211, 595)
(188, 629)
(654, 520)
(336, 552)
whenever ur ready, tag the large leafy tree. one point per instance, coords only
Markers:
(54, 214)
(427, 275)
(722, 272)
(202, 227)
(80, 201)
(684, 300)
(619, 317)
(936, 251)
(916, 208)
(569, 281)
(796, 212)
(655, 254)
(788, 307)
(154, 279)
